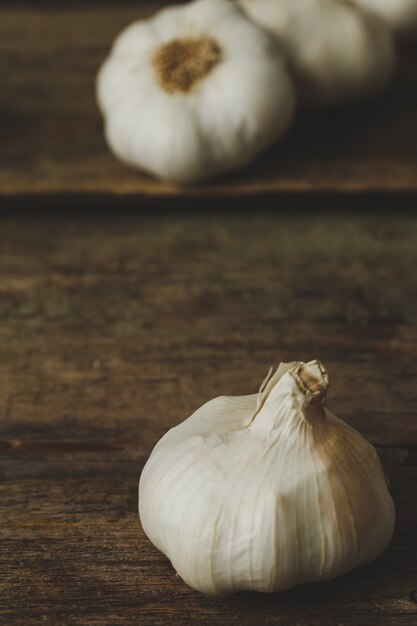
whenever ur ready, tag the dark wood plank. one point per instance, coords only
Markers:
(118, 317)
(103, 318)
(75, 554)
(114, 329)
(51, 138)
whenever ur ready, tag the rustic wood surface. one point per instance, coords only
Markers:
(51, 138)
(114, 329)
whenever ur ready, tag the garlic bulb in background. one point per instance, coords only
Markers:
(337, 51)
(195, 90)
(266, 491)
(401, 15)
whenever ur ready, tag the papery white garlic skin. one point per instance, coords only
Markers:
(337, 51)
(266, 491)
(242, 103)
(401, 15)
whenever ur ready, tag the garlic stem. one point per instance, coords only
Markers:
(305, 391)
(313, 381)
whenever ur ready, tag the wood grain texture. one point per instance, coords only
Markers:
(112, 330)
(51, 138)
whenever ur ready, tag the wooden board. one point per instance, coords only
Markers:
(114, 329)
(51, 139)
(116, 326)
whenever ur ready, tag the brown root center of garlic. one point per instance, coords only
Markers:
(182, 63)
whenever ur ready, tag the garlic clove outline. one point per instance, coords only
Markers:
(195, 90)
(337, 51)
(266, 491)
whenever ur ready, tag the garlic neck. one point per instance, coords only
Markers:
(295, 402)
(312, 381)
(182, 63)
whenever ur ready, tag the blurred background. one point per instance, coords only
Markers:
(52, 140)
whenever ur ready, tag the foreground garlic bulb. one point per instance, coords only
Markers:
(337, 51)
(195, 90)
(266, 491)
(401, 15)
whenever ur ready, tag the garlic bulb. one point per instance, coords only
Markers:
(337, 51)
(266, 491)
(401, 15)
(196, 90)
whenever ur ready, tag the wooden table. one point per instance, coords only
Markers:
(126, 303)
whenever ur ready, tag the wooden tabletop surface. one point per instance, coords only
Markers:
(121, 314)
(113, 330)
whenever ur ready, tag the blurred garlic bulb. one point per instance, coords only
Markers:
(401, 15)
(266, 491)
(336, 51)
(195, 90)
